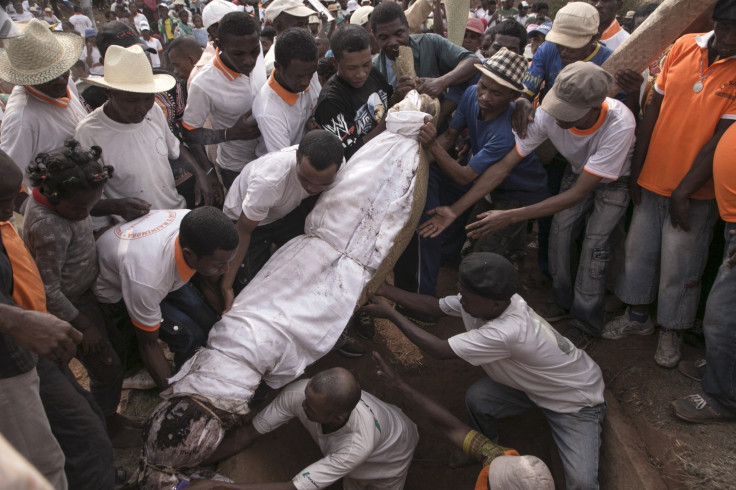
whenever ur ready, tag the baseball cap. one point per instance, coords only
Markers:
(118, 34)
(539, 29)
(580, 87)
(291, 7)
(475, 25)
(489, 275)
(524, 4)
(214, 11)
(574, 25)
(361, 16)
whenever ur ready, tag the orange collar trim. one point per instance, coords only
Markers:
(288, 97)
(61, 102)
(595, 127)
(612, 30)
(185, 272)
(229, 74)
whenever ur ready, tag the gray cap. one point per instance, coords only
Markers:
(489, 275)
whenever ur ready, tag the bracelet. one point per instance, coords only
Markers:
(225, 134)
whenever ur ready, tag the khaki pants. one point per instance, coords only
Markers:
(25, 426)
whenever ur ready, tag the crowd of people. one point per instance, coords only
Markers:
(152, 163)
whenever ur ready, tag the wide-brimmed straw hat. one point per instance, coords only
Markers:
(128, 70)
(38, 55)
(506, 68)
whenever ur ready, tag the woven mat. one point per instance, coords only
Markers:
(457, 19)
(660, 30)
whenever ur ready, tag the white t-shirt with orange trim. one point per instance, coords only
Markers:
(282, 115)
(34, 123)
(141, 262)
(224, 95)
(614, 36)
(376, 443)
(724, 175)
(687, 119)
(140, 155)
(604, 150)
(267, 189)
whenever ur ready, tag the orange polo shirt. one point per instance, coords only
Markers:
(687, 119)
(724, 175)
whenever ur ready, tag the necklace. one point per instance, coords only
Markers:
(698, 86)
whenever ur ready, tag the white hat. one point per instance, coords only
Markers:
(361, 16)
(519, 473)
(128, 70)
(38, 55)
(291, 7)
(352, 6)
(214, 11)
(574, 26)
(144, 26)
(179, 2)
(524, 5)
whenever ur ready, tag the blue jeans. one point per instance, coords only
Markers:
(665, 263)
(577, 435)
(600, 213)
(719, 326)
(187, 321)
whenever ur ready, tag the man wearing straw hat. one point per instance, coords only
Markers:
(672, 226)
(134, 136)
(43, 108)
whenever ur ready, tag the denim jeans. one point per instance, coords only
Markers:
(603, 208)
(577, 435)
(77, 424)
(666, 263)
(187, 321)
(719, 326)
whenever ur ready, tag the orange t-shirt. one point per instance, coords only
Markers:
(687, 119)
(724, 175)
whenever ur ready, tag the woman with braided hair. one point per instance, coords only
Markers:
(58, 232)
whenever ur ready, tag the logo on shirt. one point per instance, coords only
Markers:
(155, 222)
(306, 475)
(727, 90)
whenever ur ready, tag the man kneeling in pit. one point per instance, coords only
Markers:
(366, 442)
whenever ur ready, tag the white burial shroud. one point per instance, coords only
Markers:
(295, 309)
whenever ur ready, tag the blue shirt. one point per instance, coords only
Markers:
(491, 141)
(547, 64)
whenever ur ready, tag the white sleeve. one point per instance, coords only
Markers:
(143, 303)
(335, 465)
(282, 409)
(18, 141)
(198, 107)
(610, 158)
(483, 345)
(275, 130)
(260, 196)
(450, 306)
(535, 134)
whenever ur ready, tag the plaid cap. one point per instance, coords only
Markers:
(489, 275)
(506, 68)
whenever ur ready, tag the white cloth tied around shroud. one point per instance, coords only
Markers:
(293, 312)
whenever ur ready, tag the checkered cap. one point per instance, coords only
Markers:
(507, 68)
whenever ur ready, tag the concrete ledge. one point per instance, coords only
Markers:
(625, 462)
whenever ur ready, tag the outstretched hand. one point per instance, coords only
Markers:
(490, 222)
(386, 372)
(442, 217)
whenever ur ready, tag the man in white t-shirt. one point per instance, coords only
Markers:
(43, 109)
(596, 135)
(286, 103)
(529, 365)
(80, 21)
(224, 90)
(285, 14)
(134, 136)
(145, 267)
(611, 32)
(365, 441)
(269, 201)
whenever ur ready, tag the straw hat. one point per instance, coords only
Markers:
(128, 70)
(38, 55)
(506, 68)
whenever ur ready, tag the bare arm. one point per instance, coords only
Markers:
(493, 221)
(643, 137)
(461, 174)
(245, 228)
(217, 485)
(421, 303)
(700, 172)
(153, 357)
(434, 346)
(243, 129)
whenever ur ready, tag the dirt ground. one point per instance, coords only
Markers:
(685, 455)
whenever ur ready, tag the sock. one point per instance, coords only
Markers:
(638, 317)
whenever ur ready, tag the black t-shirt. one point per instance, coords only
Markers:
(351, 113)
